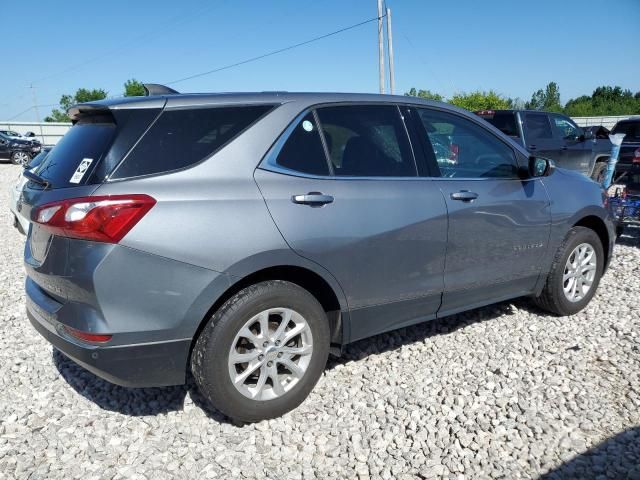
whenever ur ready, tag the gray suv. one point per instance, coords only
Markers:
(244, 237)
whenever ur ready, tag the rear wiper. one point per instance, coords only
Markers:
(37, 179)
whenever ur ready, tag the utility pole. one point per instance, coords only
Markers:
(380, 48)
(35, 106)
(392, 79)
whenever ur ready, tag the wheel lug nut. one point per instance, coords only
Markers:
(269, 364)
(260, 357)
(265, 344)
(277, 343)
(279, 354)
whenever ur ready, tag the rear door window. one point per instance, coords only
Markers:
(565, 128)
(537, 126)
(181, 138)
(303, 151)
(367, 141)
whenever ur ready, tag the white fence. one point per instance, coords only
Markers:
(608, 122)
(47, 133)
(50, 133)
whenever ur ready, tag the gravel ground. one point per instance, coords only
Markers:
(504, 391)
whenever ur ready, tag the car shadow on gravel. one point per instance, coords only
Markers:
(616, 457)
(396, 339)
(630, 236)
(131, 401)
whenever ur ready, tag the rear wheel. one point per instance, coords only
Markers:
(575, 273)
(599, 171)
(20, 158)
(262, 352)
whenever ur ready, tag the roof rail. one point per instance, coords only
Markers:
(157, 89)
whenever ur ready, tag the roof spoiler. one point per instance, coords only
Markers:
(157, 89)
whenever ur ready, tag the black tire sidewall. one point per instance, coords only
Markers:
(598, 172)
(577, 236)
(211, 372)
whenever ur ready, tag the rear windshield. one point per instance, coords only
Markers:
(631, 131)
(503, 121)
(76, 154)
(181, 138)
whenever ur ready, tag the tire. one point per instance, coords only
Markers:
(211, 359)
(20, 158)
(599, 170)
(553, 297)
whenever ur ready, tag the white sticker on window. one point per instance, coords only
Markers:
(307, 125)
(81, 170)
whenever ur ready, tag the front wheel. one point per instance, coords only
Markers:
(575, 273)
(262, 352)
(599, 171)
(20, 158)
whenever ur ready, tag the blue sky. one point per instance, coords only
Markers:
(514, 47)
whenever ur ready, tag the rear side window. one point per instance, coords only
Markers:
(76, 154)
(367, 141)
(181, 138)
(631, 131)
(303, 150)
(503, 121)
(537, 125)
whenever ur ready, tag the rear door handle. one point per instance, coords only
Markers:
(564, 148)
(464, 195)
(532, 147)
(314, 199)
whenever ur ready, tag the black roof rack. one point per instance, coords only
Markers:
(157, 89)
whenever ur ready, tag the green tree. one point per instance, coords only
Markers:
(134, 88)
(604, 100)
(426, 94)
(480, 100)
(67, 101)
(547, 99)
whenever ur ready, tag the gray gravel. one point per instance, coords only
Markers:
(501, 392)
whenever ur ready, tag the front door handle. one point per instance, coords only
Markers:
(314, 199)
(464, 195)
(532, 147)
(564, 147)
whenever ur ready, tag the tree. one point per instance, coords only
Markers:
(547, 99)
(67, 101)
(604, 100)
(479, 100)
(426, 94)
(134, 88)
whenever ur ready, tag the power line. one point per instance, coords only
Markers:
(275, 52)
(31, 108)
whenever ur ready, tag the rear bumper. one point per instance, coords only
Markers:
(154, 364)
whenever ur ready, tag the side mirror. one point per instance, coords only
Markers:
(588, 135)
(540, 167)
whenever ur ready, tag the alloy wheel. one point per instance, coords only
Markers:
(270, 354)
(579, 272)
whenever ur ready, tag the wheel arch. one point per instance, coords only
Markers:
(327, 292)
(595, 223)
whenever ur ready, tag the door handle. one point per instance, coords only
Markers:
(314, 199)
(532, 147)
(464, 195)
(564, 148)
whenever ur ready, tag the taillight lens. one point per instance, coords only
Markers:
(636, 155)
(100, 219)
(88, 337)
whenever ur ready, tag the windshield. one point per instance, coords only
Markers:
(631, 131)
(11, 133)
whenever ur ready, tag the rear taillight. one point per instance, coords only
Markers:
(88, 337)
(101, 219)
(636, 155)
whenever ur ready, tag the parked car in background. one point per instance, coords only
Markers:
(245, 236)
(628, 168)
(19, 220)
(18, 150)
(554, 136)
(27, 136)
